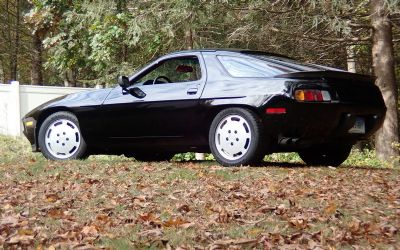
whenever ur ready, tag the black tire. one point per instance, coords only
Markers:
(79, 153)
(326, 155)
(151, 156)
(255, 147)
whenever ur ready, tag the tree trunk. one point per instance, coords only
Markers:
(121, 8)
(69, 77)
(383, 64)
(8, 77)
(189, 38)
(351, 67)
(15, 52)
(351, 59)
(2, 73)
(37, 62)
(189, 33)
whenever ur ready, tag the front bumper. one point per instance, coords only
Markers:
(29, 124)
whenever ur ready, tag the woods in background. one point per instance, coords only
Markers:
(84, 43)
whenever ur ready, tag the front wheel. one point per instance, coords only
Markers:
(60, 137)
(326, 155)
(236, 137)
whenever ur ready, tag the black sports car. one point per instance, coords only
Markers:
(237, 104)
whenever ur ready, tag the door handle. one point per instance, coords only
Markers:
(192, 91)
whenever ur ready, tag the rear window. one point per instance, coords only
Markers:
(247, 67)
(292, 64)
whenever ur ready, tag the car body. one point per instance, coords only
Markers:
(299, 106)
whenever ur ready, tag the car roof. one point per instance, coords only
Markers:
(272, 57)
(230, 50)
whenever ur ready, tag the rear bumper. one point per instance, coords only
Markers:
(305, 124)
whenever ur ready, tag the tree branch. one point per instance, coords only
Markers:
(326, 39)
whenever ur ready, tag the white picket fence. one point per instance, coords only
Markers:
(17, 100)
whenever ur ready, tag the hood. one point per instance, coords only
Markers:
(80, 99)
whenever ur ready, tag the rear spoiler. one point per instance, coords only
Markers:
(328, 74)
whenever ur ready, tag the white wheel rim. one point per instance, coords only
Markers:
(62, 138)
(233, 137)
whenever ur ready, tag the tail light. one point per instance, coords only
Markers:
(277, 111)
(312, 95)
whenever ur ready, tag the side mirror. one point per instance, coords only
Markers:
(136, 92)
(123, 81)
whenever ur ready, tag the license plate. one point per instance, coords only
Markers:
(359, 126)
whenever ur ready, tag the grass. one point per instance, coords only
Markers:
(119, 203)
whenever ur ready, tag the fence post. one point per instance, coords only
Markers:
(14, 122)
(199, 156)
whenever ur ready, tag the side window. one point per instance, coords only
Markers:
(175, 70)
(246, 67)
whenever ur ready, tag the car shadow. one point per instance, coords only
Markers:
(283, 164)
(267, 164)
(261, 165)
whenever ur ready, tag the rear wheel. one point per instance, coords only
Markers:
(326, 155)
(60, 137)
(151, 156)
(236, 137)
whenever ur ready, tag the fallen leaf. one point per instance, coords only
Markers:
(330, 209)
(52, 197)
(25, 232)
(354, 226)
(223, 243)
(10, 221)
(172, 197)
(150, 233)
(255, 231)
(56, 213)
(141, 198)
(70, 235)
(298, 222)
(184, 209)
(148, 168)
(147, 217)
(265, 209)
(174, 222)
(224, 216)
(92, 181)
(7, 207)
(103, 218)
(389, 231)
(89, 230)
(281, 209)
(21, 239)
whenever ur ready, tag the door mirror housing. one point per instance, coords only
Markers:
(136, 92)
(123, 81)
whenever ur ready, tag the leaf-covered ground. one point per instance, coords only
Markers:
(118, 203)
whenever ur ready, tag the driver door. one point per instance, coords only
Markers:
(168, 114)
